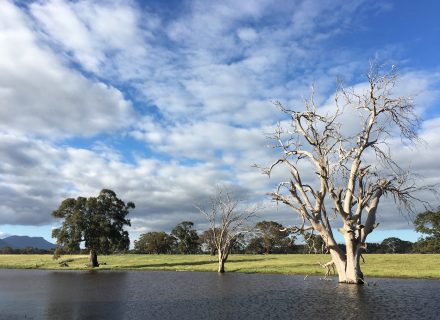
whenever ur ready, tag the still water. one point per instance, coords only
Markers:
(38, 294)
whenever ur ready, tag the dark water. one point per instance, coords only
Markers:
(37, 294)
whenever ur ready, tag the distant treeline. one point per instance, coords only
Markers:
(29, 250)
(267, 237)
(389, 245)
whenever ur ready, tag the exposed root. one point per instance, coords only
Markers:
(64, 263)
(329, 267)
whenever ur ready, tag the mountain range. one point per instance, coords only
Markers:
(21, 242)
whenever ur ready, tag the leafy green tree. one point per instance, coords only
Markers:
(396, 245)
(255, 245)
(206, 240)
(314, 243)
(155, 243)
(6, 250)
(97, 221)
(187, 237)
(238, 244)
(373, 247)
(428, 223)
(272, 235)
(427, 245)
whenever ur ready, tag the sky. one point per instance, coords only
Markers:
(162, 101)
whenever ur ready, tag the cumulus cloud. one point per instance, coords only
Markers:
(37, 175)
(40, 95)
(82, 29)
(28, 181)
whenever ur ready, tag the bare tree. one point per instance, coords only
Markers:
(352, 170)
(227, 219)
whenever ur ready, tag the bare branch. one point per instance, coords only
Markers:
(346, 176)
(227, 218)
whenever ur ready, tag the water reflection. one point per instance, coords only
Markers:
(74, 295)
(40, 294)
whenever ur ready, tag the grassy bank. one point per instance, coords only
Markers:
(376, 265)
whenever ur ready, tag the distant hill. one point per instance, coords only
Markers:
(3, 244)
(21, 242)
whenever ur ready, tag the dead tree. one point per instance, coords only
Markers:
(329, 267)
(227, 219)
(352, 170)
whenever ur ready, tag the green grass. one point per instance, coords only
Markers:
(376, 265)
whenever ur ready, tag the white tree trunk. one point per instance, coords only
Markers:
(339, 262)
(348, 267)
(221, 262)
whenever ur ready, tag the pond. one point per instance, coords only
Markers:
(39, 294)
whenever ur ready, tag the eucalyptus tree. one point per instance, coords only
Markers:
(396, 245)
(155, 242)
(428, 222)
(272, 235)
(352, 167)
(206, 241)
(98, 222)
(227, 218)
(313, 243)
(187, 237)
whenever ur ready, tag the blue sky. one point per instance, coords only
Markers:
(163, 100)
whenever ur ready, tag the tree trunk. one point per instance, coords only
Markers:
(348, 267)
(221, 262)
(93, 259)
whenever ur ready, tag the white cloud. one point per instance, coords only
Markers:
(4, 235)
(247, 34)
(83, 30)
(42, 96)
(206, 141)
(62, 23)
(37, 175)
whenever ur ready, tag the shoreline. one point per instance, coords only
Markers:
(400, 266)
(306, 276)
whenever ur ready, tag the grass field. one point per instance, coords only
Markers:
(376, 265)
